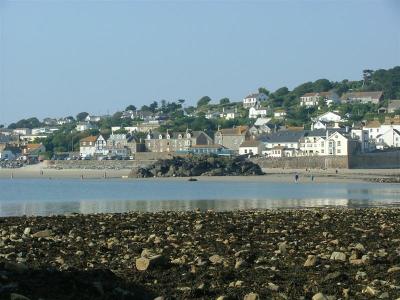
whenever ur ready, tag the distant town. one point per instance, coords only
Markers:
(320, 118)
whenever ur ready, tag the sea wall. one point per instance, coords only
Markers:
(378, 160)
(95, 164)
(314, 162)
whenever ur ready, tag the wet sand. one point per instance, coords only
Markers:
(272, 175)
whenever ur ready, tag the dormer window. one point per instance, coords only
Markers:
(168, 136)
(160, 137)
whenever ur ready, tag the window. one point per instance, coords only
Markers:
(245, 150)
(322, 151)
(338, 143)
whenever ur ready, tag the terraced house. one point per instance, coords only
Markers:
(175, 141)
(232, 138)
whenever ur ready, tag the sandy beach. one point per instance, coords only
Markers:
(272, 175)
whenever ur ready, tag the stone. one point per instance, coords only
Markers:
(356, 262)
(370, 291)
(273, 287)
(43, 234)
(239, 283)
(319, 296)
(282, 247)
(360, 247)
(145, 263)
(251, 296)
(393, 269)
(15, 296)
(340, 256)
(215, 259)
(345, 293)
(311, 261)
(27, 231)
(240, 263)
(384, 295)
(361, 275)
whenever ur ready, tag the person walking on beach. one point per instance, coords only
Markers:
(296, 177)
(312, 177)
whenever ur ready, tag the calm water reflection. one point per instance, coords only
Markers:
(44, 197)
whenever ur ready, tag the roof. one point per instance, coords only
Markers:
(261, 121)
(240, 130)
(356, 95)
(91, 138)
(255, 95)
(283, 137)
(250, 143)
(310, 95)
(208, 146)
(394, 104)
(33, 146)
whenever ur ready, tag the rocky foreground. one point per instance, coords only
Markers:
(198, 166)
(269, 254)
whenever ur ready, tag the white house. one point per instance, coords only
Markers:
(252, 147)
(22, 131)
(319, 125)
(90, 118)
(279, 151)
(374, 129)
(92, 145)
(335, 143)
(390, 138)
(83, 126)
(253, 99)
(279, 113)
(254, 112)
(312, 99)
(229, 114)
(329, 117)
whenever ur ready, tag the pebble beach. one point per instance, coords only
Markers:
(261, 254)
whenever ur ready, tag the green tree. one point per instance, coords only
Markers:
(263, 90)
(203, 101)
(153, 106)
(224, 101)
(81, 116)
(283, 91)
(322, 85)
(130, 107)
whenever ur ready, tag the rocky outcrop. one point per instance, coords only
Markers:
(198, 166)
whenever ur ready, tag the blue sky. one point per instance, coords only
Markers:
(59, 58)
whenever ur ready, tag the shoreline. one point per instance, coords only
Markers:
(274, 254)
(272, 175)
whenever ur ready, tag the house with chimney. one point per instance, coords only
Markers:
(232, 138)
(362, 97)
(253, 100)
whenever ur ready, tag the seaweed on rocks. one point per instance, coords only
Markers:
(198, 166)
(257, 254)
